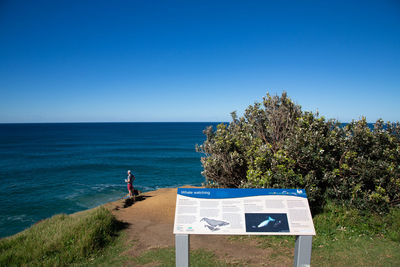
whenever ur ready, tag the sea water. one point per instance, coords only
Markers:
(46, 169)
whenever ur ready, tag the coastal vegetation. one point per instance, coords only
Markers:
(277, 145)
(64, 240)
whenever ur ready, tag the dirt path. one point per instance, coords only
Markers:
(151, 221)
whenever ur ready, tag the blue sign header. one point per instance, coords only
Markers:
(218, 193)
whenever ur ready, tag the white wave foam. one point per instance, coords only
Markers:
(19, 218)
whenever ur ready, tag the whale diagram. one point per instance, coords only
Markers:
(267, 222)
(213, 225)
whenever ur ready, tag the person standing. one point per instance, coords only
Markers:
(129, 180)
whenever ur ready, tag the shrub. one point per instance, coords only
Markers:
(367, 174)
(277, 145)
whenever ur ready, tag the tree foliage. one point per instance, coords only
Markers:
(277, 145)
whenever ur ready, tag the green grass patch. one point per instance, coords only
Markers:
(110, 255)
(166, 257)
(348, 237)
(357, 251)
(338, 221)
(63, 240)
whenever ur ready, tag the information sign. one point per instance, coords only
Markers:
(243, 212)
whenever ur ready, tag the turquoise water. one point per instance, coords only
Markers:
(46, 169)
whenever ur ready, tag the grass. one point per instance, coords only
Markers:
(64, 240)
(111, 255)
(166, 257)
(348, 237)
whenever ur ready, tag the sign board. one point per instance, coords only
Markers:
(243, 212)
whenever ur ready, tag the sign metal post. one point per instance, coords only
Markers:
(182, 247)
(302, 251)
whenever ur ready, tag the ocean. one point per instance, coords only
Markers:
(52, 168)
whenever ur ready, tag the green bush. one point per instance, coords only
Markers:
(367, 174)
(277, 145)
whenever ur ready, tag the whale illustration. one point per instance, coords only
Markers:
(212, 224)
(266, 222)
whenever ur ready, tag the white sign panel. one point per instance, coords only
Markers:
(243, 212)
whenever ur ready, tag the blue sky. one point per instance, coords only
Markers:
(78, 61)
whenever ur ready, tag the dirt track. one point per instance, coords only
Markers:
(150, 225)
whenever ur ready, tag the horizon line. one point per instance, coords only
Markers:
(71, 122)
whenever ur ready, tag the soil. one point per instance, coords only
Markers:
(150, 223)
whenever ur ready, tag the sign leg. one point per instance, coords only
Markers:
(302, 251)
(182, 250)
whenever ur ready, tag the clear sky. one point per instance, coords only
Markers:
(79, 61)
